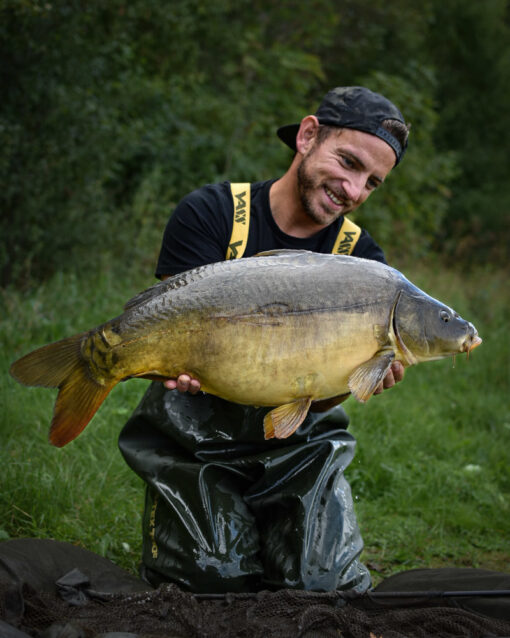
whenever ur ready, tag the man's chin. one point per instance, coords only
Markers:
(324, 218)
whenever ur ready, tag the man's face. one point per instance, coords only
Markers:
(338, 174)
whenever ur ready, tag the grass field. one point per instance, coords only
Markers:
(431, 478)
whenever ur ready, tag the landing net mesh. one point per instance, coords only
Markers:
(168, 612)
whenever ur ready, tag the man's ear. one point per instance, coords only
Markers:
(307, 133)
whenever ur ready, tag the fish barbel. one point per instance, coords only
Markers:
(283, 329)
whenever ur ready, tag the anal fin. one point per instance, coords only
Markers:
(365, 379)
(284, 420)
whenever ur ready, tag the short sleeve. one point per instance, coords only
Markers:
(198, 231)
(368, 248)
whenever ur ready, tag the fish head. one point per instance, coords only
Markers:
(426, 329)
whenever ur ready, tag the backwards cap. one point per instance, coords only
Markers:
(357, 108)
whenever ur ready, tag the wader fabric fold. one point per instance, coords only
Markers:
(228, 511)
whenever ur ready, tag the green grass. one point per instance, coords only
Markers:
(84, 493)
(431, 478)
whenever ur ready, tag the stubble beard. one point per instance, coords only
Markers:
(306, 186)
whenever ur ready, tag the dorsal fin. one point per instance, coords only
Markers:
(145, 295)
(171, 283)
(282, 251)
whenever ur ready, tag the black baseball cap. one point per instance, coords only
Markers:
(353, 107)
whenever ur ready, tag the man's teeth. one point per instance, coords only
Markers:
(333, 197)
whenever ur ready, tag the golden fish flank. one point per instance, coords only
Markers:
(282, 329)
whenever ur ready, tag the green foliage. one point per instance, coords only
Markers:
(111, 112)
(470, 43)
(410, 208)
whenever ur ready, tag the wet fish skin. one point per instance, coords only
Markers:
(283, 329)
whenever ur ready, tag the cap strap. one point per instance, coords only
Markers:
(391, 140)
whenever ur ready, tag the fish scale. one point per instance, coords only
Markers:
(283, 329)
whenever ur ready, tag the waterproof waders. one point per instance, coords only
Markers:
(227, 510)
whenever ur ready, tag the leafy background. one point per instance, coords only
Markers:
(111, 112)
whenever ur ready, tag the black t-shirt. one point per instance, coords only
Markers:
(200, 228)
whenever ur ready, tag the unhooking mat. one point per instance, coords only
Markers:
(50, 589)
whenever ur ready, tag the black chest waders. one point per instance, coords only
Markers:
(226, 510)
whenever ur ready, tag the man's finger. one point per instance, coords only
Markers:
(183, 382)
(194, 386)
(398, 371)
(379, 388)
(389, 380)
(393, 376)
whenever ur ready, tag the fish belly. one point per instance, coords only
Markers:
(261, 361)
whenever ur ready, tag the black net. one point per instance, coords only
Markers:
(168, 612)
(50, 589)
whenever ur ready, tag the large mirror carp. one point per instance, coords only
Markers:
(281, 329)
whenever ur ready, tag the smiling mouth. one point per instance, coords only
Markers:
(333, 197)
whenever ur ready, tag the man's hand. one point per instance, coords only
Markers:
(183, 383)
(394, 375)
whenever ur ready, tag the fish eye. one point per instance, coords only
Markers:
(445, 316)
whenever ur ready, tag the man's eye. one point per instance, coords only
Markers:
(372, 184)
(348, 161)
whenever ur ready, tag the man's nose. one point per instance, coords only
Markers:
(354, 187)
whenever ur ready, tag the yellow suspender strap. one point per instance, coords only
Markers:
(344, 245)
(347, 238)
(241, 226)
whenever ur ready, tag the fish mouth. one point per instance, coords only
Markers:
(473, 341)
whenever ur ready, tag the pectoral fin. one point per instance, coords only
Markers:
(365, 379)
(285, 419)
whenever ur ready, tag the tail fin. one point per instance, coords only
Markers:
(60, 365)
